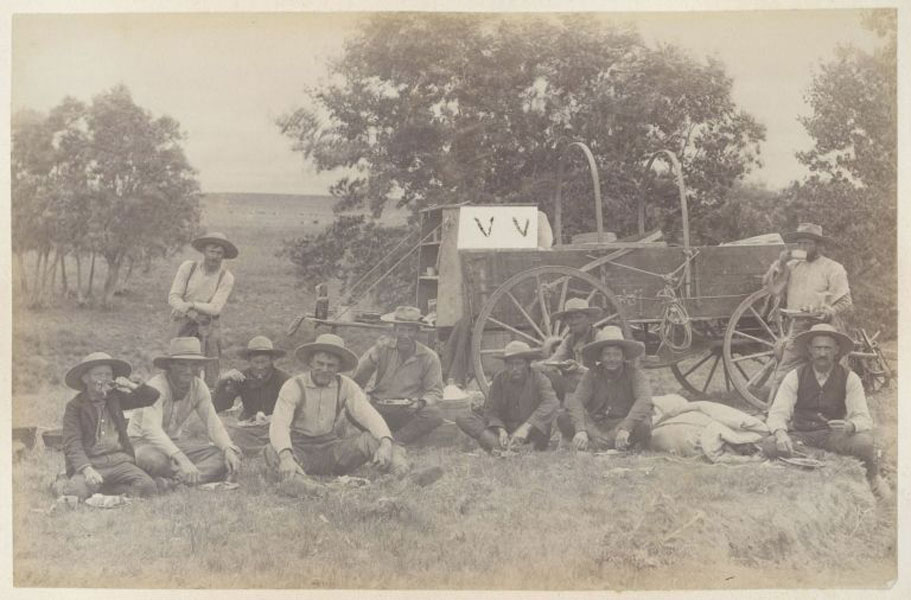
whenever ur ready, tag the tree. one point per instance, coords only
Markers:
(107, 178)
(432, 109)
(852, 188)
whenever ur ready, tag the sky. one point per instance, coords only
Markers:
(226, 77)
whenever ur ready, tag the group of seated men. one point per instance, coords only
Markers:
(322, 422)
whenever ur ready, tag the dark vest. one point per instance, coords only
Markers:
(813, 400)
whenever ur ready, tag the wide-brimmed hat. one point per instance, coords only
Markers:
(261, 345)
(73, 377)
(181, 348)
(577, 305)
(610, 336)
(802, 340)
(807, 230)
(216, 237)
(408, 315)
(331, 343)
(517, 349)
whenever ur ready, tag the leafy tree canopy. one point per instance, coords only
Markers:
(428, 110)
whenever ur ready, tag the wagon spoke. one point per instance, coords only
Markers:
(752, 356)
(759, 374)
(490, 351)
(544, 310)
(526, 315)
(727, 378)
(701, 362)
(755, 339)
(500, 323)
(606, 320)
(708, 379)
(763, 323)
(563, 289)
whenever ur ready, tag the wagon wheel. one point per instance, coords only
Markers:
(521, 309)
(753, 342)
(869, 362)
(703, 373)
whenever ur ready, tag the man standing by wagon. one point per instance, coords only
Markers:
(258, 386)
(822, 404)
(520, 407)
(156, 431)
(611, 408)
(97, 450)
(198, 294)
(408, 381)
(308, 434)
(812, 283)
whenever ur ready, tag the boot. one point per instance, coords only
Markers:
(880, 488)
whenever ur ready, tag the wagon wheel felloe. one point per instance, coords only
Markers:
(522, 308)
(753, 342)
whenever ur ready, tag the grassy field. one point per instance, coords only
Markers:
(550, 520)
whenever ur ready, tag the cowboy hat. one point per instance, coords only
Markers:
(577, 305)
(261, 345)
(331, 343)
(407, 315)
(181, 348)
(517, 349)
(806, 230)
(218, 238)
(73, 377)
(845, 343)
(610, 336)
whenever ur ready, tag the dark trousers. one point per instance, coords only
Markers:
(208, 459)
(859, 445)
(475, 426)
(210, 341)
(409, 424)
(328, 454)
(120, 475)
(602, 434)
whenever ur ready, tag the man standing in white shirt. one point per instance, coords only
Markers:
(822, 404)
(198, 294)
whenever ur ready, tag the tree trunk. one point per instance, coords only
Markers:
(51, 278)
(63, 281)
(80, 295)
(122, 285)
(23, 276)
(110, 282)
(91, 290)
(36, 280)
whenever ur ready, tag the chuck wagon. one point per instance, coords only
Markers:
(701, 311)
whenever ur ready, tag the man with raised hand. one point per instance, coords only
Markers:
(258, 386)
(822, 404)
(97, 450)
(198, 294)
(309, 433)
(408, 380)
(520, 407)
(611, 408)
(813, 284)
(156, 431)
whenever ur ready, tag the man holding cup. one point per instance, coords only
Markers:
(814, 285)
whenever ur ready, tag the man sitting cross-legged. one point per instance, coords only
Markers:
(822, 404)
(98, 454)
(258, 386)
(611, 408)
(520, 407)
(156, 430)
(309, 424)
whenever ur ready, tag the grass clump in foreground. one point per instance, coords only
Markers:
(551, 520)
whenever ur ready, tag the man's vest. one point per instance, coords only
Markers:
(814, 400)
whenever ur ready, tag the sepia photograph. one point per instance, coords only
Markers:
(600, 297)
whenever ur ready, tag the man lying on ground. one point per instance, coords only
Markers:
(611, 408)
(97, 451)
(258, 386)
(309, 433)
(520, 407)
(408, 380)
(822, 404)
(156, 430)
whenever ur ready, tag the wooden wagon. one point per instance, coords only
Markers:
(701, 311)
